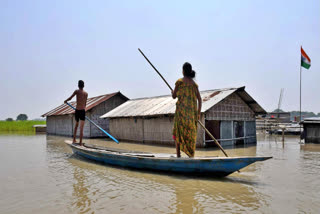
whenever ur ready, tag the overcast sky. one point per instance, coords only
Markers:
(47, 46)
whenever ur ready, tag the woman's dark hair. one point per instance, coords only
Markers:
(80, 84)
(188, 72)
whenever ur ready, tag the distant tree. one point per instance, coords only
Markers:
(22, 117)
(304, 114)
(9, 119)
(278, 110)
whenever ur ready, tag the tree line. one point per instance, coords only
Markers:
(20, 117)
(294, 114)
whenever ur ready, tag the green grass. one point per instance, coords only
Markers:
(19, 126)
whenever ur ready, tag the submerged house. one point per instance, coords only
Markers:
(281, 117)
(60, 120)
(229, 114)
(311, 129)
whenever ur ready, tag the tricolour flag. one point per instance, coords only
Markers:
(305, 60)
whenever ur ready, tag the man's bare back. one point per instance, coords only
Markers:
(82, 96)
(80, 113)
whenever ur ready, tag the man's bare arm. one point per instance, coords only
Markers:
(74, 94)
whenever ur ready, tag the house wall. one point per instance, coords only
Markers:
(65, 124)
(60, 125)
(232, 109)
(250, 130)
(312, 133)
(51, 125)
(157, 130)
(127, 129)
(100, 110)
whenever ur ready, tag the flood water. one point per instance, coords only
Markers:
(39, 174)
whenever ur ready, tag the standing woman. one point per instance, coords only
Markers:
(187, 112)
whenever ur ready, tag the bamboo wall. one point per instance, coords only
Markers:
(157, 130)
(312, 132)
(64, 124)
(231, 108)
(100, 110)
(128, 129)
(60, 125)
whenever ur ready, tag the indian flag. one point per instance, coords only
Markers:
(305, 60)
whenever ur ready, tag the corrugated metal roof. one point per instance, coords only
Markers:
(163, 105)
(91, 102)
(312, 118)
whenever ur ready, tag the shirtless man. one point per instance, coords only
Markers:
(80, 109)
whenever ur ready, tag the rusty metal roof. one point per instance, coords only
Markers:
(91, 102)
(164, 105)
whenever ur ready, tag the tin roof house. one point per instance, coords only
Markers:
(60, 120)
(311, 129)
(229, 114)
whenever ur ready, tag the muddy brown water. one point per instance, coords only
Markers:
(39, 174)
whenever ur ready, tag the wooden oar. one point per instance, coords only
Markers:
(215, 140)
(115, 140)
(201, 124)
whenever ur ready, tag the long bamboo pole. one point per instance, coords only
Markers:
(201, 124)
(104, 131)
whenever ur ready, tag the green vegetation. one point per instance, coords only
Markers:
(22, 117)
(19, 126)
(304, 114)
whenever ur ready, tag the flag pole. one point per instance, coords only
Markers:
(300, 100)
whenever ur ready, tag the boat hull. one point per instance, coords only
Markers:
(207, 166)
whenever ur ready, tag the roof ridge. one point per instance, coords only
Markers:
(160, 96)
(91, 103)
(103, 95)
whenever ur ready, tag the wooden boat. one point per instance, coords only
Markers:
(208, 166)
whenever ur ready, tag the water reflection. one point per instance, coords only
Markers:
(82, 201)
(161, 192)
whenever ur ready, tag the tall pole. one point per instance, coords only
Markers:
(300, 102)
(201, 124)
(300, 93)
(115, 140)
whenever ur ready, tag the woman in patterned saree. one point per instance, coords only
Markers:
(187, 112)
